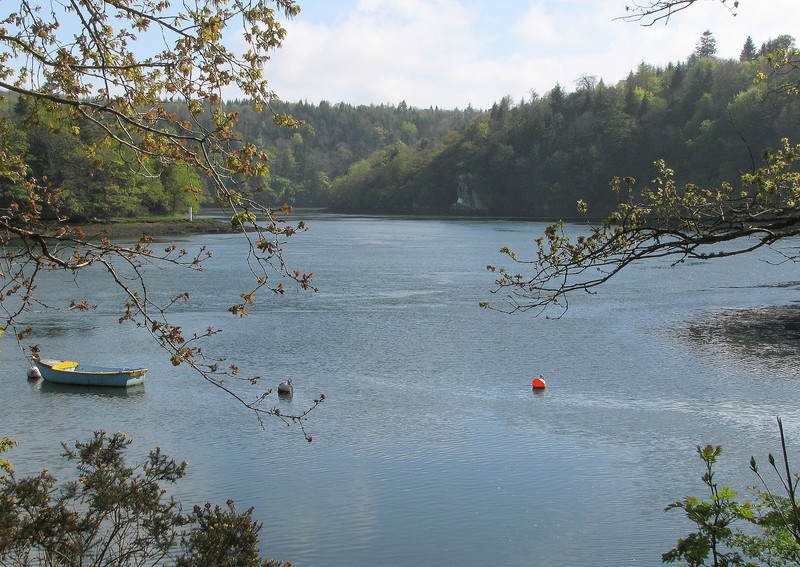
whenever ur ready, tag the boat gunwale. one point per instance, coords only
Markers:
(90, 369)
(89, 374)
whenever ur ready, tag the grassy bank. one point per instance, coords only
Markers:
(156, 227)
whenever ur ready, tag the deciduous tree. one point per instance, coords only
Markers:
(117, 514)
(119, 67)
(663, 220)
(666, 219)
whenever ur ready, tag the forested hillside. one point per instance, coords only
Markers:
(706, 117)
(302, 161)
(536, 157)
(98, 182)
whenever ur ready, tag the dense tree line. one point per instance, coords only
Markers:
(536, 157)
(333, 137)
(705, 116)
(302, 160)
(93, 180)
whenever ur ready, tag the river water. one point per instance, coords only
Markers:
(431, 448)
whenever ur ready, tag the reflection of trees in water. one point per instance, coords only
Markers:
(769, 334)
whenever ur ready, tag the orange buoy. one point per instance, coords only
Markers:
(539, 383)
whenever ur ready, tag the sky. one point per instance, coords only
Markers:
(456, 53)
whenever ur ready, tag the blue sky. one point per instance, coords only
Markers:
(453, 53)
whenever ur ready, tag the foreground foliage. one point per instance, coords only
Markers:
(135, 92)
(116, 515)
(710, 217)
(665, 220)
(763, 532)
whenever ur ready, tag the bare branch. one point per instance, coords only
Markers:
(648, 13)
(121, 68)
(665, 221)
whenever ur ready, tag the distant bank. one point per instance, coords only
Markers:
(138, 228)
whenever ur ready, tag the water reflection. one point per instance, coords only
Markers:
(431, 447)
(753, 333)
(91, 391)
(55, 328)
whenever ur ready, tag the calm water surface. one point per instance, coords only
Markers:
(431, 447)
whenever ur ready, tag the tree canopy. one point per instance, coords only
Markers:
(140, 85)
(667, 219)
(707, 46)
(534, 158)
(661, 221)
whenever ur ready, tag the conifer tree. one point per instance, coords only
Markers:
(707, 46)
(749, 52)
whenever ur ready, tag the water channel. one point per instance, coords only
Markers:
(431, 448)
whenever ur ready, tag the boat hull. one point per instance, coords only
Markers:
(75, 374)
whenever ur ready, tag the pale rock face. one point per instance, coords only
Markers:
(467, 198)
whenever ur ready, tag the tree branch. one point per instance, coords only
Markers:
(662, 10)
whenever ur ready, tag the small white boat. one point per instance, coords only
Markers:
(74, 373)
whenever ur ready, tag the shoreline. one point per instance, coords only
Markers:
(139, 228)
(134, 228)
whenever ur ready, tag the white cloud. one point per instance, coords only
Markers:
(451, 53)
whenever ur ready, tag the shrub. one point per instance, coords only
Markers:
(117, 515)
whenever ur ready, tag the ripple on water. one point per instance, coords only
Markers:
(431, 447)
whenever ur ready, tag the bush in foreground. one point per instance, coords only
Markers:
(729, 532)
(117, 515)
